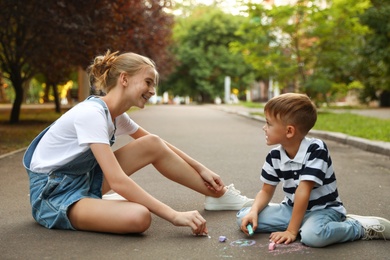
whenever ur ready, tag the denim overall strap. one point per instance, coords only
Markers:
(31, 148)
(101, 102)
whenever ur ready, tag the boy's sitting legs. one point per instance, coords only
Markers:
(324, 227)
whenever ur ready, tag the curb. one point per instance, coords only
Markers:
(378, 147)
(12, 153)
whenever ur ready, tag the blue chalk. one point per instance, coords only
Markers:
(250, 229)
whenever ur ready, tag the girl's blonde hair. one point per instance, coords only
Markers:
(105, 69)
(293, 109)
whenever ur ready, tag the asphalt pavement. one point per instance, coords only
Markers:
(232, 145)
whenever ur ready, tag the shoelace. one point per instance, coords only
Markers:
(372, 232)
(235, 191)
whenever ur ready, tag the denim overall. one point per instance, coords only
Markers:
(51, 194)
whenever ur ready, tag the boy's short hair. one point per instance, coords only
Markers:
(293, 109)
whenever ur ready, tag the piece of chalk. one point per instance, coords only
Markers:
(250, 229)
(202, 235)
(222, 238)
(271, 246)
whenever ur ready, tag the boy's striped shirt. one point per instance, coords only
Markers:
(311, 163)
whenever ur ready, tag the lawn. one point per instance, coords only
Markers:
(355, 125)
(31, 123)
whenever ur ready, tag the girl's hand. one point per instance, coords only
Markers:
(193, 219)
(285, 237)
(212, 180)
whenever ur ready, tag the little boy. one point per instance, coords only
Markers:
(312, 208)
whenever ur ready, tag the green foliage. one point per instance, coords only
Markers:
(309, 46)
(339, 40)
(317, 87)
(34, 91)
(204, 59)
(376, 51)
(273, 43)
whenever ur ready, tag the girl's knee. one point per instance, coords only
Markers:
(154, 144)
(140, 220)
(152, 140)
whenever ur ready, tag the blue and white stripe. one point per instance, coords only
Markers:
(312, 163)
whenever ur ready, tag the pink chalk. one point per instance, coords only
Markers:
(271, 246)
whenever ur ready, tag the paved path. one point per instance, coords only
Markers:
(231, 145)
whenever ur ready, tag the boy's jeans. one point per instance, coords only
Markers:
(319, 228)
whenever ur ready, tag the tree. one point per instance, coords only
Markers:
(276, 43)
(146, 30)
(309, 47)
(71, 38)
(19, 36)
(204, 59)
(376, 52)
(336, 49)
(55, 37)
(44, 37)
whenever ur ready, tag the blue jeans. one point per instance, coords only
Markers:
(319, 228)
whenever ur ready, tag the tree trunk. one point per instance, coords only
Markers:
(84, 88)
(46, 93)
(56, 98)
(17, 83)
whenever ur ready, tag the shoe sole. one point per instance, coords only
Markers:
(210, 207)
(222, 207)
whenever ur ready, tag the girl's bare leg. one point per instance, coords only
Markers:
(151, 149)
(110, 216)
(120, 216)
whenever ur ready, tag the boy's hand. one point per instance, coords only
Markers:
(250, 218)
(285, 237)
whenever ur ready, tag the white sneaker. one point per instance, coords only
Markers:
(374, 227)
(231, 200)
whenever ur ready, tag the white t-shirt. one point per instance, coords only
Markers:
(72, 133)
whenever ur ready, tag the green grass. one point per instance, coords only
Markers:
(252, 104)
(354, 125)
(31, 123)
